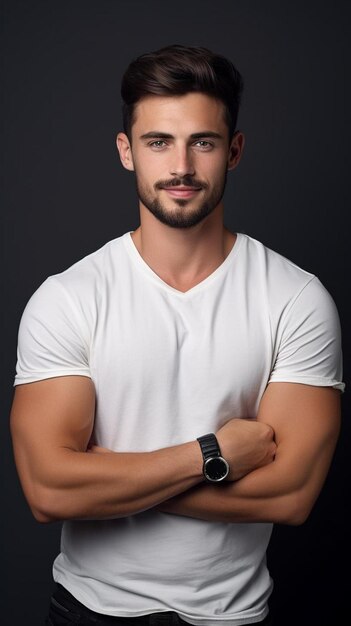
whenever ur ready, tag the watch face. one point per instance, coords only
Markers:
(216, 469)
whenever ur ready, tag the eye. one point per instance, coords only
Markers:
(159, 143)
(204, 145)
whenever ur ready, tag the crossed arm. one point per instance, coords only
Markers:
(52, 422)
(306, 422)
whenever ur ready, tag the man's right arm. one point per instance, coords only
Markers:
(51, 424)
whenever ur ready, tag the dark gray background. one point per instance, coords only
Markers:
(66, 194)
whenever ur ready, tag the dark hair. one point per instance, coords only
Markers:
(177, 70)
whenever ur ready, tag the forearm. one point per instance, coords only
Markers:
(306, 421)
(242, 501)
(109, 485)
(267, 494)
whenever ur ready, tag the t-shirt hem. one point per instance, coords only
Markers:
(194, 621)
(227, 621)
(317, 381)
(22, 380)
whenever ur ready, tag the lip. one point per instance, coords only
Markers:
(182, 192)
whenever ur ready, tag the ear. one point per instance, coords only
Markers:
(236, 149)
(125, 151)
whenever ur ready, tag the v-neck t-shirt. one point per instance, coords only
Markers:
(169, 366)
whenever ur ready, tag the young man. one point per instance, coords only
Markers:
(177, 390)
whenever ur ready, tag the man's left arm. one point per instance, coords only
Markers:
(306, 421)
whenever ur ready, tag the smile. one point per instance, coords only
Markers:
(182, 192)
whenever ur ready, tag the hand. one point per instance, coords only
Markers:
(246, 444)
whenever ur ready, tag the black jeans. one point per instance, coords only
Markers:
(65, 610)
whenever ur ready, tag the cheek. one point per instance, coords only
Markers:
(145, 180)
(212, 165)
(215, 173)
(142, 172)
(149, 172)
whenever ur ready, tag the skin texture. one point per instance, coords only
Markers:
(278, 461)
(63, 478)
(182, 257)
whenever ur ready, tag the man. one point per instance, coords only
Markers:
(135, 365)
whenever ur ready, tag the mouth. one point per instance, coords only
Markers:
(182, 192)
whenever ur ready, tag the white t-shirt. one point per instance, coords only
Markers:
(168, 367)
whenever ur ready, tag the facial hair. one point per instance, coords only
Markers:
(177, 218)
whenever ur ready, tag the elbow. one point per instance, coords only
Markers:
(295, 509)
(41, 505)
(297, 518)
(42, 517)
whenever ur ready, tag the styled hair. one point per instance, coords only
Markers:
(177, 70)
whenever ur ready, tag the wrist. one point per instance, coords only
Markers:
(215, 468)
(199, 460)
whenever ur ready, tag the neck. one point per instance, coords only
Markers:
(183, 257)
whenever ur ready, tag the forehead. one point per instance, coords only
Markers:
(187, 114)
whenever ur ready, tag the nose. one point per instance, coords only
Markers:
(182, 162)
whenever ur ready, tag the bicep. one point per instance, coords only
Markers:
(306, 422)
(46, 416)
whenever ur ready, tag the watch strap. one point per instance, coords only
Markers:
(209, 446)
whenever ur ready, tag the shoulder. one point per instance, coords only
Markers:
(72, 297)
(85, 279)
(57, 323)
(275, 265)
(282, 280)
(94, 269)
(304, 321)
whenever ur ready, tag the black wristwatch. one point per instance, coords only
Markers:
(215, 467)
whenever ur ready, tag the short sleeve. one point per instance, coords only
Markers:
(51, 340)
(308, 346)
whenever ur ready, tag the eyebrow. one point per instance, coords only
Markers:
(155, 134)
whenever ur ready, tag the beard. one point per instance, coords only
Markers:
(178, 217)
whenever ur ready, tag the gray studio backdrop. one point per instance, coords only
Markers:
(65, 195)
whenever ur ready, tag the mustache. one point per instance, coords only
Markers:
(183, 181)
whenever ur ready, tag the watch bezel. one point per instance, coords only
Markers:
(216, 458)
